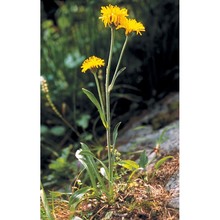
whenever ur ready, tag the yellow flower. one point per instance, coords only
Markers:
(113, 15)
(131, 25)
(92, 63)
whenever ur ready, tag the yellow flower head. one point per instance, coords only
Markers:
(113, 15)
(92, 63)
(131, 25)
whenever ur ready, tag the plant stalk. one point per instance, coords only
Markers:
(108, 116)
(99, 92)
(118, 64)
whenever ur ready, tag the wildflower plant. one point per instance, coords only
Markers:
(114, 18)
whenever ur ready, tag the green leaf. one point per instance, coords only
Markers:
(115, 133)
(87, 165)
(45, 203)
(162, 137)
(93, 99)
(56, 194)
(161, 161)
(63, 22)
(58, 130)
(77, 196)
(129, 164)
(120, 71)
(143, 159)
(83, 121)
(66, 151)
(86, 152)
(59, 164)
(43, 129)
(86, 157)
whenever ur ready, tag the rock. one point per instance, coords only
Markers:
(172, 143)
(145, 138)
(173, 187)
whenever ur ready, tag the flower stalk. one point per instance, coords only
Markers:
(108, 115)
(116, 73)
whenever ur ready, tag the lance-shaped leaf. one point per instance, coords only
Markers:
(77, 196)
(45, 203)
(88, 153)
(89, 163)
(128, 164)
(93, 99)
(161, 161)
(115, 134)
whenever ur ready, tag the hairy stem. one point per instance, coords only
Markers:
(118, 64)
(108, 116)
(99, 92)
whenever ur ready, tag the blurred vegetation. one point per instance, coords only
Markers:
(71, 32)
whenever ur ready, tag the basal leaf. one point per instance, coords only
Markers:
(77, 196)
(129, 164)
(143, 159)
(161, 161)
(45, 203)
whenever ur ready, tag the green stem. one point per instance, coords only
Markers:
(99, 92)
(108, 90)
(108, 117)
(118, 64)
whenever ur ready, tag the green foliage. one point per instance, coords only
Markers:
(143, 161)
(86, 157)
(93, 99)
(115, 134)
(161, 161)
(60, 168)
(45, 204)
(128, 164)
(58, 130)
(61, 163)
(77, 196)
(83, 121)
(162, 138)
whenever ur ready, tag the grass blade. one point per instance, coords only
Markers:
(115, 134)
(161, 161)
(45, 203)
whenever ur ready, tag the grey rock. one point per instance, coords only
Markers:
(173, 187)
